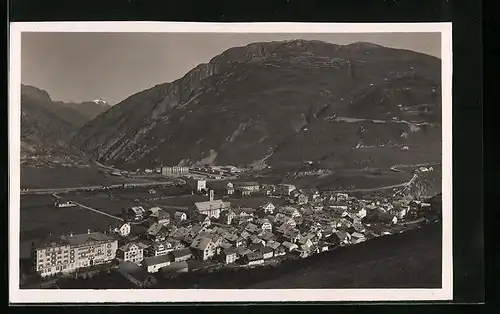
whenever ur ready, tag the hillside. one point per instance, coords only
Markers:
(279, 104)
(46, 127)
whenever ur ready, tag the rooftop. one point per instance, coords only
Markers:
(78, 239)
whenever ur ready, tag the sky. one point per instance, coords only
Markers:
(77, 67)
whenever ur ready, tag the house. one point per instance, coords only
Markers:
(267, 252)
(203, 248)
(323, 246)
(357, 238)
(361, 213)
(153, 210)
(154, 230)
(180, 216)
(201, 185)
(342, 237)
(305, 241)
(123, 230)
(394, 220)
(136, 212)
(251, 228)
(268, 208)
(136, 275)
(273, 244)
(154, 263)
(229, 255)
(285, 189)
(152, 191)
(254, 258)
(252, 187)
(280, 251)
(243, 251)
(264, 224)
(159, 248)
(342, 197)
(290, 211)
(160, 217)
(229, 188)
(254, 247)
(181, 255)
(211, 208)
(130, 252)
(299, 198)
(289, 246)
(226, 217)
(242, 192)
(201, 219)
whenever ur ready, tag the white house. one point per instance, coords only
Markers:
(201, 185)
(123, 230)
(361, 213)
(131, 252)
(268, 208)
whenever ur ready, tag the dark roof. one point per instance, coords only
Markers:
(133, 270)
(230, 251)
(181, 253)
(266, 249)
(155, 260)
(254, 256)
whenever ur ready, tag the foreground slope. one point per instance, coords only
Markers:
(279, 104)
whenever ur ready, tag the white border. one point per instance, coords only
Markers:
(290, 295)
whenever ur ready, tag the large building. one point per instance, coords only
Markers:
(70, 252)
(211, 208)
(174, 171)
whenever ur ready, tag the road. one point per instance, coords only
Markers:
(387, 187)
(93, 187)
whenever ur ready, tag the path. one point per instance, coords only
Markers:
(96, 211)
(387, 187)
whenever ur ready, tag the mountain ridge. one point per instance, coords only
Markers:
(230, 109)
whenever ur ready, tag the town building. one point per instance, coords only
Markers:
(136, 275)
(229, 255)
(159, 248)
(267, 252)
(285, 189)
(70, 252)
(254, 258)
(268, 208)
(154, 263)
(230, 188)
(123, 229)
(211, 208)
(130, 252)
(136, 212)
(242, 192)
(252, 187)
(226, 217)
(180, 216)
(174, 171)
(201, 185)
(181, 255)
(203, 248)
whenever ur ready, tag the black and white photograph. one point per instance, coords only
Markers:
(192, 162)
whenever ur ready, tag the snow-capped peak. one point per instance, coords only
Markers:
(100, 101)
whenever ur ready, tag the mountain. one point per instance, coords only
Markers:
(46, 126)
(279, 104)
(88, 109)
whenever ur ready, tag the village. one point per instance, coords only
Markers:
(214, 233)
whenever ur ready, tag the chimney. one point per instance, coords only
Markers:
(211, 195)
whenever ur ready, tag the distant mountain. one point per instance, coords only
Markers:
(88, 109)
(46, 126)
(280, 104)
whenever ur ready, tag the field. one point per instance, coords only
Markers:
(61, 177)
(38, 218)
